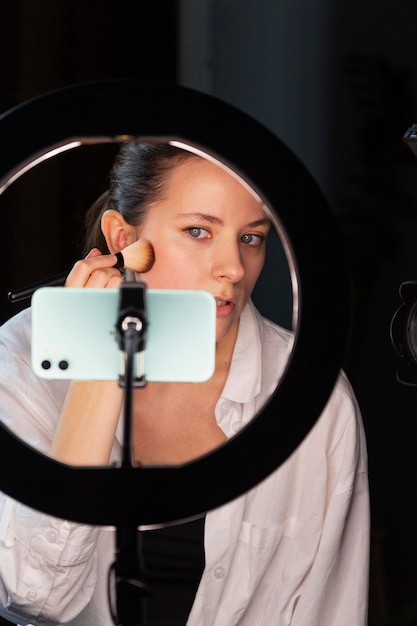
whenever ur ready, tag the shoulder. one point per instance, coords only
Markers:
(274, 338)
(339, 427)
(15, 339)
(270, 331)
(341, 419)
(19, 385)
(275, 345)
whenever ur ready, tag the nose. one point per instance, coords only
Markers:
(227, 263)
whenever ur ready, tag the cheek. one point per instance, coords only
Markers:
(170, 270)
(253, 272)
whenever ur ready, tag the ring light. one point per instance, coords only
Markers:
(113, 111)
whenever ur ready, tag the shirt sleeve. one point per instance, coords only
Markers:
(335, 590)
(47, 565)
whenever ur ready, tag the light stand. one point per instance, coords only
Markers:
(126, 573)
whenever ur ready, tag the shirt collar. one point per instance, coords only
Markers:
(244, 380)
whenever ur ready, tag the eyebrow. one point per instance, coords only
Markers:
(212, 219)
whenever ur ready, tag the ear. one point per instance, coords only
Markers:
(117, 232)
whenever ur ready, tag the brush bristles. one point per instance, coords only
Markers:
(139, 256)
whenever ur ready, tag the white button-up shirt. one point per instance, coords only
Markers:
(291, 551)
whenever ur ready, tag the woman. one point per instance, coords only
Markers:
(294, 549)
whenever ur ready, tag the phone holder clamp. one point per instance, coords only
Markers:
(131, 327)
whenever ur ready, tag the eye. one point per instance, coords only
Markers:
(196, 232)
(252, 240)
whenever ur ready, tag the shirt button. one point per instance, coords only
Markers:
(225, 407)
(219, 571)
(236, 427)
(31, 595)
(51, 536)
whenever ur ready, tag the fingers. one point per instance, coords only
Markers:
(94, 252)
(95, 270)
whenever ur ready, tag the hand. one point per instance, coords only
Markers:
(96, 270)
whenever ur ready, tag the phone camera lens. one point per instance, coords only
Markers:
(63, 365)
(46, 365)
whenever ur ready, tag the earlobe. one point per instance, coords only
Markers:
(117, 232)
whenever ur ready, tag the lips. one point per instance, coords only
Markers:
(224, 300)
(224, 306)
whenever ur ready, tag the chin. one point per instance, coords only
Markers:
(223, 333)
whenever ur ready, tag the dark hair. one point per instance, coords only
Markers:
(138, 178)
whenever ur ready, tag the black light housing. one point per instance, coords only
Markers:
(118, 110)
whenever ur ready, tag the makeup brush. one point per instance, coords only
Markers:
(138, 257)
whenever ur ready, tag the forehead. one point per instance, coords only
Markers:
(199, 180)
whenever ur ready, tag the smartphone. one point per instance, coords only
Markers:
(74, 335)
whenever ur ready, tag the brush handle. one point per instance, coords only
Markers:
(140, 257)
(53, 281)
(27, 292)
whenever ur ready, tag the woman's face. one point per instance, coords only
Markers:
(208, 233)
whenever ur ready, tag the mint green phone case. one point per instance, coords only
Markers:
(74, 337)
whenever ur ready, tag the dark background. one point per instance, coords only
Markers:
(338, 82)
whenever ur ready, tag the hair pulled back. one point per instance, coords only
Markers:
(137, 179)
